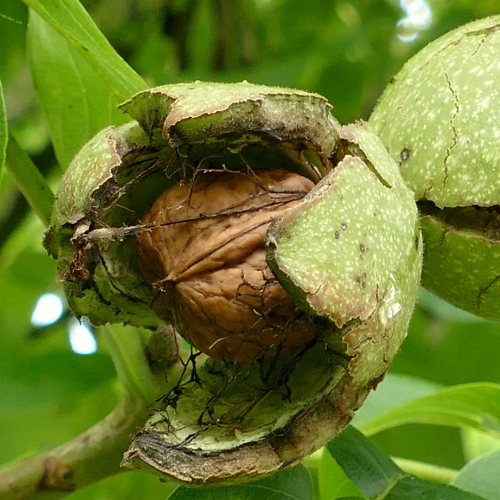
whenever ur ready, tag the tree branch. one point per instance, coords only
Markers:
(88, 458)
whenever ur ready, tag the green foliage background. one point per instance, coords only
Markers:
(345, 50)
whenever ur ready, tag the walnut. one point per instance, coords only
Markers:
(314, 277)
(439, 121)
(207, 263)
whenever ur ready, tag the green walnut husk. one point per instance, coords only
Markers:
(439, 120)
(349, 253)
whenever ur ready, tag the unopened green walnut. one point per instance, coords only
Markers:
(439, 120)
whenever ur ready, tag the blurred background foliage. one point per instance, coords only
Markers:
(345, 50)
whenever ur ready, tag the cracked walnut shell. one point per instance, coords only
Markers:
(209, 272)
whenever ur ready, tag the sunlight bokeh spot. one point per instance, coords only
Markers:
(81, 339)
(418, 17)
(49, 308)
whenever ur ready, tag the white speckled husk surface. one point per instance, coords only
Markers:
(439, 119)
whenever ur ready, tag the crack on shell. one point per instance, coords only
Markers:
(452, 123)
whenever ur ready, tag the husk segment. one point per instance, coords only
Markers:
(349, 254)
(439, 120)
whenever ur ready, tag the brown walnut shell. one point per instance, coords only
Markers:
(207, 263)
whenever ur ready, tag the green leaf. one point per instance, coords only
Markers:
(12, 38)
(393, 391)
(76, 101)
(412, 488)
(26, 384)
(442, 309)
(333, 482)
(470, 405)
(77, 27)
(481, 476)
(3, 129)
(29, 180)
(373, 472)
(434, 350)
(202, 42)
(476, 443)
(379, 478)
(290, 484)
(132, 485)
(412, 440)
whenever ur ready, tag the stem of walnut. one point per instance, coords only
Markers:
(84, 460)
(97, 453)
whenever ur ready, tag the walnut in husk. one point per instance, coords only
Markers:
(439, 120)
(284, 246)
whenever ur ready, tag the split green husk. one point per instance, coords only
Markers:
(349, 254)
